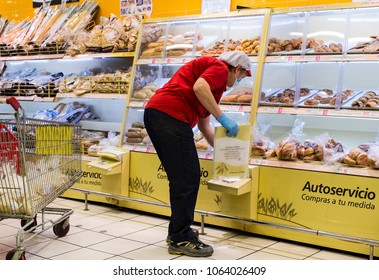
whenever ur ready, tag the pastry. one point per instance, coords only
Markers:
(134, 140)
(230, 98)
(244, 98)
(133, 134)
(138, 125)
(311, 102)
(349, 160)
(362, 159)
(143, 132)
(269, 153)
(257, 150)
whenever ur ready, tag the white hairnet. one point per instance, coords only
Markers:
(236, 58)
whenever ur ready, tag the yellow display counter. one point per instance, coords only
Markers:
(313, 202)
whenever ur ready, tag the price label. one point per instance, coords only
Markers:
(344, 170)
(168, 60)
(153, 61)
(280, 110)
(184, 60)
(318, 58)
(240, 108)
(207, 156)
(134, 148)
(325, 112)
(289, 58)
(148, 149)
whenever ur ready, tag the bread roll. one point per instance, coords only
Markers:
(230, 98)
(134, 140)
(133, 134)
(362, 159)
(244, 98)
(138, 125)
(349, 160)
(257, 150)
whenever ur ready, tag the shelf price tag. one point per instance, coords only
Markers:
(148, 149)
(344, 170)
(318, 58)
(153, 61)
(325, 112)
(168, 60)
(240, 108)
(280, 110)
(184, 60)
(289, 58)
(207, 156)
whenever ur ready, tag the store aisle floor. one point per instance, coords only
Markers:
(104, 233)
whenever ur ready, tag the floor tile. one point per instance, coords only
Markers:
(94, 222)
(51, 248)
(150, 220)
(6, 230)
(86, 238)
(330, 255)
(150, 252)
(83, 254)
(121, 214)
(5, 248)
(122, 228)
(224, 251)
(260, 255)
(215, 234)
(149, 235)
(117, 246)
(251, 242)
(291, 250)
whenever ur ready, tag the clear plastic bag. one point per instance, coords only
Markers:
(287, 149)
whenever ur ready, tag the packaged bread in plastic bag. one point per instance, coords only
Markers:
(262, 145)
(287, 149)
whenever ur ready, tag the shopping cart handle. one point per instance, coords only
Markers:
(13, 102)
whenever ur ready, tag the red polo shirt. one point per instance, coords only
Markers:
(177, 98)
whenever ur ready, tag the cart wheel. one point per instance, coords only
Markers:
(62, 228)
(15, 255)
(24, 222)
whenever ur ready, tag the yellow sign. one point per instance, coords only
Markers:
(321, 201)
(148, 181)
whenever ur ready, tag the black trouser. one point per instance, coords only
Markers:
(174, 144)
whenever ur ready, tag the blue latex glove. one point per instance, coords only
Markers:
(230, 125)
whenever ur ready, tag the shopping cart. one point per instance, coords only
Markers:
(39, 160)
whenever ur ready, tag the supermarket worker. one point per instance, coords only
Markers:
(187, 100)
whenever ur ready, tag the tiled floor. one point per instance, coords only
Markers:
(106, 233)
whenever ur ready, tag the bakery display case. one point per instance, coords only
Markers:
(99, 83)
(312, 101)
(317, 134)
(327, 87)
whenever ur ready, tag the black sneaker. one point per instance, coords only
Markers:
(168, 239)
(192, 248)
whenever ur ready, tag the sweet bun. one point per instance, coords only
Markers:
(244, 98)
(230, 98)
(362, 159)
(349, 160)
(134, 140)
(138, 125)
(257, 150)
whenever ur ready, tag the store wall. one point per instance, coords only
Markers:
(22, 9)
